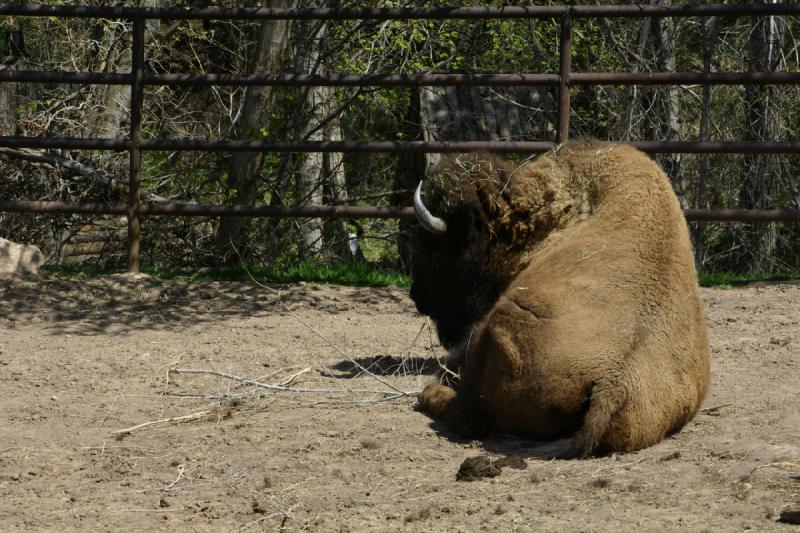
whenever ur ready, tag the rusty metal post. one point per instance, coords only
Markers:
(565, 52)
(134, 182)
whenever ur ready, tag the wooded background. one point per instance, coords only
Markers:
(712, 44)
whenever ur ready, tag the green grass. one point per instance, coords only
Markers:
(357, 275)
(729, 279)
(352, 274)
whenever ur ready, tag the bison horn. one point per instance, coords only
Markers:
(431, 223)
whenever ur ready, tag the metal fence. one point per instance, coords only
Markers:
(137, 79)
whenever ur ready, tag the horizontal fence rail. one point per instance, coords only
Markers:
(401, 13)
(442, 147)
(410, 80)
(334, 211)
(138, 79)
(205, 210)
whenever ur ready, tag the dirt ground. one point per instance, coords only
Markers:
(339, 450)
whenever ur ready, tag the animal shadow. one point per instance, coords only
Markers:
(384, 365)
(507, 445)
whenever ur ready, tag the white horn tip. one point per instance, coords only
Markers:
(431, 223)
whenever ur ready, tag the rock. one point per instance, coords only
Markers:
(19, 259)
(369, 443)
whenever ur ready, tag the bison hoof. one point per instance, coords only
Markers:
(435, 398)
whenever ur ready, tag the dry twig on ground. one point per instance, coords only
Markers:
(184, 418)
(396, 393)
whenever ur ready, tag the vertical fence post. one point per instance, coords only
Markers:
(565, 52)
(134, 180)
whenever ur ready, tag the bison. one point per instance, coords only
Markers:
(565, 291)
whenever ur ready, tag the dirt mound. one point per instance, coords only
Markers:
(481, 466)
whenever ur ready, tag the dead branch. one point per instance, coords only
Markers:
(50, 159)
(288, 381)
(714, 409)
(181, 469)
(184, 418)
(285, 388)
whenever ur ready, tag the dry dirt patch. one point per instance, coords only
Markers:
(82, 359)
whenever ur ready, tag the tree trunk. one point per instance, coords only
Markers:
(343, 244)
(712, 29)
(8, 105)
(113, 101)
(9, 125)
(410, 170)
(630, 96)
(311, 175)
(761, 172)
(317, 105)
(244, 167)
(458, 114)
(669, 129)
(321, 175)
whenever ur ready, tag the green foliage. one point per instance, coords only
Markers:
(351, 274)
(729, 279)
(355, 275)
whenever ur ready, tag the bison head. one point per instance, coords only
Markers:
(480, 219)
(469, 243)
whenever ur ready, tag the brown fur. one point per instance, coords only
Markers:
(577, 310)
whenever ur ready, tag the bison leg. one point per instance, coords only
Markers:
(452, 407)
(435, 398)
(605, 401)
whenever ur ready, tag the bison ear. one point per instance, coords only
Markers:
(493, 207)
(487, 201)
(510, 220)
